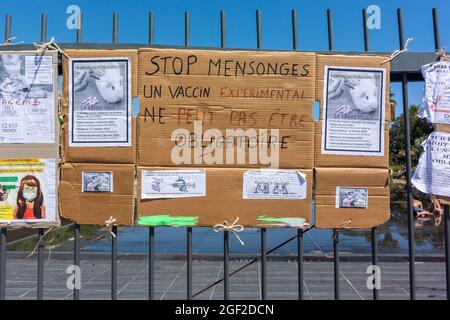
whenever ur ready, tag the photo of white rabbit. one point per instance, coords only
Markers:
(354, 94)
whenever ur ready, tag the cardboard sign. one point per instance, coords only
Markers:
(351, 198)
(111, 195)
(202, 107)
(370, 147)
(106, 153)
(224, 201)
(28, 192)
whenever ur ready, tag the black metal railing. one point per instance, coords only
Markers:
(403, 69)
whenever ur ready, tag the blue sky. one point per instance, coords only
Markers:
(240, 23)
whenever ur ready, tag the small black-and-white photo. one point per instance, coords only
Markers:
(351, 197)
(354, 94)
(97, 182)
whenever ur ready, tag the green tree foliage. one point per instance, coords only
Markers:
(420, 130)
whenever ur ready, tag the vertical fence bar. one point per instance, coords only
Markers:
(114, 264)
(40, 278)
(151, 28)
(189, 229)
(40, 262)
(226, 248)
(76, 226)
(115, 37)
(294, 30)
(412, 276)
(3, 231)
(151, 230)
(437, 46)
(3, 241)
(300, 263)
(374, 229)
(8, 20)
(335, 231)
(447, 247)
(151, 263)
(330, 30)
(337, 288)
(263, 230)
(299, 231)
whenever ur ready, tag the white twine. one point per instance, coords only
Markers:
(233, 227)
(398, 52)
(109, 224)
(39, 242)
(343, 225)
(8, 41)
(51, 45)
(441, 54)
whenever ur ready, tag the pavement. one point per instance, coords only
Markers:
(170, 278)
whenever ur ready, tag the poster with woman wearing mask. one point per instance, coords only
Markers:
(27, 98)
(353, 111)
(99, 102)
(27, 190)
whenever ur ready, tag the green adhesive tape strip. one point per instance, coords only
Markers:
(166, 220)
(292, 222)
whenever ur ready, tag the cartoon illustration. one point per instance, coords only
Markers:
(30, 199)
(156, 184)
(280, 187)
(262, 187)
(181, 185)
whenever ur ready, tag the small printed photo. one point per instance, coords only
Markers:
(97, 182)
(351, 197)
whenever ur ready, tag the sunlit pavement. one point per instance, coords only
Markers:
(170, 278)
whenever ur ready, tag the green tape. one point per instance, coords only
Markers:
(166, 220)
(292, 222)
(9, 187)
(9, 179)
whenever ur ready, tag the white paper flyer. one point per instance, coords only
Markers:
(432, 174)
(173, 183)
(274, 184)
(27, 98)
(99, 102)
(353, 111)
(436, 102)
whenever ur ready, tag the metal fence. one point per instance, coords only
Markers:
(404, 68)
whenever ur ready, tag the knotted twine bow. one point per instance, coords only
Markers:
(343, 225)
(234, 227)
(109, 224)
(39, 242)
(398, 52)
(441, 54)
(51, 45)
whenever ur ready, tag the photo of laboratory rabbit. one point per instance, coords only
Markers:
(354, 94)
(100, 85)
(21, 81)
(97, 182)
(351, 197)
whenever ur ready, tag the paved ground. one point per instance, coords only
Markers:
(170, 279)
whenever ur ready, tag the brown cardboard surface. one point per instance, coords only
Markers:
(289, 81)
(36, 150)
(375, 180)
(350, 61)
(125, 155)
(334, 160)
(96, 208)
(295, 142)
(223, 201)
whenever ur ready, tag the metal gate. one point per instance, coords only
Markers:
(404, 68)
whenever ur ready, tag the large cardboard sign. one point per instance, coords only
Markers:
(226, 108)
(28, 192)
